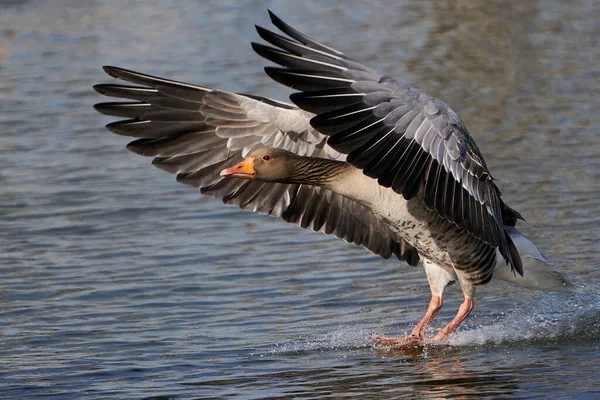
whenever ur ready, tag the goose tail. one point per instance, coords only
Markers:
(538, 272)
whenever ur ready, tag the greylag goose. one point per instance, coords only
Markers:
(359, 155)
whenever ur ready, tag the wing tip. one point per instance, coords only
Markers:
(260, 30)
(137, 147)
(112, 127)
(102, 88)
(274, 18)
(104, 108)
(260, 49)
(112, 70)
(276, 73)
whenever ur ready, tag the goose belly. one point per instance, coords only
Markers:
(415, 224)
(434, 237)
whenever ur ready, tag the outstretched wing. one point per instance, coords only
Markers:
(195, 132)
(400, 136)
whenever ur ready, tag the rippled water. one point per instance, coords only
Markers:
(119, 283)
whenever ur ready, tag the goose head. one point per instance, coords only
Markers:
(281, 166)
(269, 165)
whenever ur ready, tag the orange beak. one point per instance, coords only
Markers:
(245, 170)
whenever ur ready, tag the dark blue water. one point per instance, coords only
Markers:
(117, 282)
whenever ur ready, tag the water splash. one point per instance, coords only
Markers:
(344, 337)
(545, 319)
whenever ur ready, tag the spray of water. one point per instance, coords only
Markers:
(545, 319)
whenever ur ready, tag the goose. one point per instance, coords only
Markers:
(358, 155)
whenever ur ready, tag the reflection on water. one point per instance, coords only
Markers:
(120, 283)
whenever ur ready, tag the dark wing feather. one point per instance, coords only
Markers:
(195, 132)
(397, 134)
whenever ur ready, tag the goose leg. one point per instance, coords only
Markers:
(438, 280)
(463, 312)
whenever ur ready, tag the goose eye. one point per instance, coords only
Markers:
(266, 157)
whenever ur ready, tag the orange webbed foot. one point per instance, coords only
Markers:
(398, 342)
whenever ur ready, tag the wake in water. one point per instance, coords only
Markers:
(345, 337)
(549, 319)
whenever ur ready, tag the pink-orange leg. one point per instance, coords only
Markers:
(418, 334)
(463, 312)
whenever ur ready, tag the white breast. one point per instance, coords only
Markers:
(410, 219)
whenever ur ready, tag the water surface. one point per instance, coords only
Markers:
(117, 282)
